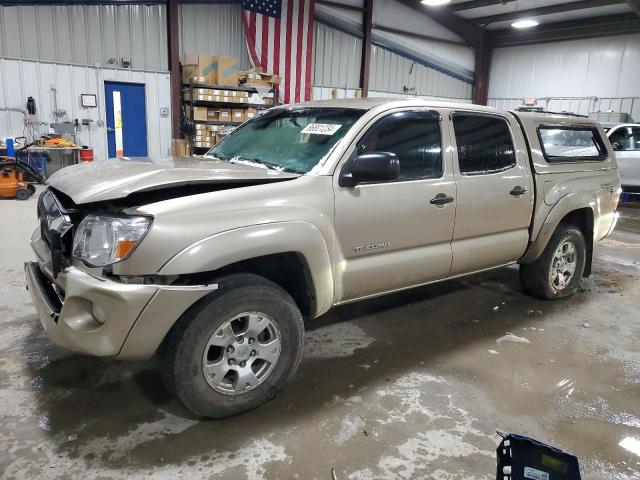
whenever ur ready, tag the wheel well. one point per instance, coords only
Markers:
(289, 270)
(583, 220)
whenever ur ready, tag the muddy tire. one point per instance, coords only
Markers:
(557, 273)
(235, 349)
(23, 194)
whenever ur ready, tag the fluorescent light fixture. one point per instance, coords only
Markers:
(435, 3)
(525, 23)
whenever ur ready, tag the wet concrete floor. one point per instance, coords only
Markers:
(412, 385)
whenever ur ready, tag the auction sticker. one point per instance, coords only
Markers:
(535, 474)
(321, 128)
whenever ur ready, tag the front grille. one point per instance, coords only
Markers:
(56, 228)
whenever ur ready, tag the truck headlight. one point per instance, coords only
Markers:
(102, 240)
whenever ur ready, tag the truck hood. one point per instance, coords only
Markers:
(117, 178)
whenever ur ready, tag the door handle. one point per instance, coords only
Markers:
(110, 130)
(518, 191)
(440, 200)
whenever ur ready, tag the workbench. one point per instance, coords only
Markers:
(60, 157)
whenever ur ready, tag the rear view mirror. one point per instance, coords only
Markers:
(616, 146)
(370, 167)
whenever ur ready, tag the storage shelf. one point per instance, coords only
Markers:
(220, 87)
(206, 103)
(218, 122)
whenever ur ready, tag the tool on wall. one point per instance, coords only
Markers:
(57, 112)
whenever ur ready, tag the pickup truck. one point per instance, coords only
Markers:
(625, 140)
(214, 263)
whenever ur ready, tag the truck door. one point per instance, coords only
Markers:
(625, 140)
(393, 235)
(495, 192)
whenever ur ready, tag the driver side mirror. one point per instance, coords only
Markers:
(370, 167)
(616, 146)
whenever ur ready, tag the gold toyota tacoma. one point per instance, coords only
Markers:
(213, 263)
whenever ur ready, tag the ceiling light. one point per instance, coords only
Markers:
(526, 23)
(435, 3)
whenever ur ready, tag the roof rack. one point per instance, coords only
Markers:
(541, 110)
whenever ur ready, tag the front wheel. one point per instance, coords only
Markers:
(234, 350)
(557, 273)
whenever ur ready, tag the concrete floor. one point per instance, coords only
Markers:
(413, 385)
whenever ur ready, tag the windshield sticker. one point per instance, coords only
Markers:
(321, 128)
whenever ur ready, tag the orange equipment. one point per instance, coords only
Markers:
(12, 182)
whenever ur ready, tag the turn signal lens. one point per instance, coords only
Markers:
(125, 247)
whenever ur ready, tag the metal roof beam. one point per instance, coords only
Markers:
(635, 6)
(549, 10)
(471, 34)
(609, 25)
(457, 7)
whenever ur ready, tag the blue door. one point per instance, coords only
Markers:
(126, 119)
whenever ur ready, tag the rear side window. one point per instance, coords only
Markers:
(484, 144)
(414, 137)
(571, 144)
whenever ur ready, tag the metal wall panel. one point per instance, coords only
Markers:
(600, 67)
(337, 58)
(215, 29)
(394, 73)
(20, 79)
(326, 93)
(86, 34)
(580, 105)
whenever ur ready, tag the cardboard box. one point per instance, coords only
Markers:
(180, 148)
(224, 115)
(237, 115)
(212, 114)
(200, 113)
(250, 113)
(203, 68)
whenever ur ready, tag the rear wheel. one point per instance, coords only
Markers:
(234, 350)
(557, 273)
(23, 194)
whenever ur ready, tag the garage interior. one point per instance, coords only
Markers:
(409, 385)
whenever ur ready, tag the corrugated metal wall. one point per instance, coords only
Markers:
(600, 67)
(393, 73)
(337, 58)
(580, 105)
(215, 29)
(20, 79)
(86, 34)
(337, 65)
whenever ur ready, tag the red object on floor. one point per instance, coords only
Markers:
(86, 155)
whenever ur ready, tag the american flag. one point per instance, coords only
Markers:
(279, 37)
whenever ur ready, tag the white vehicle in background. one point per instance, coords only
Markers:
(625, 140)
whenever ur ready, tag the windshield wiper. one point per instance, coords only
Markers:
(269, 165)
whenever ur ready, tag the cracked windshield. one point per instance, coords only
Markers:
(290, 140)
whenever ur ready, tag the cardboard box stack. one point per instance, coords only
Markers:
(227, 105)
(217, 70)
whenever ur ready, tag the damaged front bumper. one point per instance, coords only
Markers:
(102, 317)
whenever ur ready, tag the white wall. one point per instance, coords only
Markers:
(20, 79)
(601, 67)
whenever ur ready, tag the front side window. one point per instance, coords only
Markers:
(626, 138)
(484, 144)
(292, 140)
(415, 139)
(571, 144)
